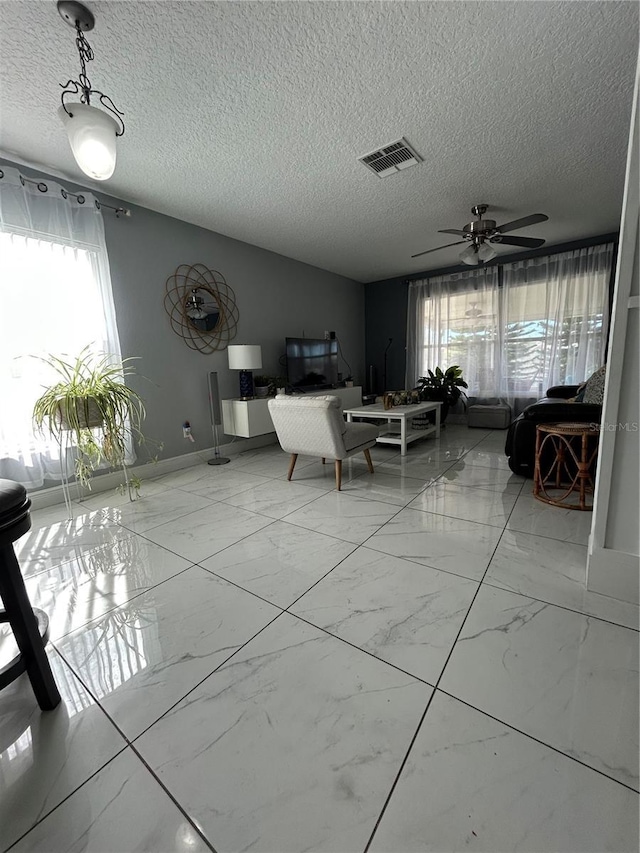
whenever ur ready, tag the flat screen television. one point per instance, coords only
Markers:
(312, 363)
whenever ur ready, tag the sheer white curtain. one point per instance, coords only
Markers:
(555, 313)
(55, 297)
(546, 325)
(454, 320)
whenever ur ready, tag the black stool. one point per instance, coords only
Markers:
(30, 627)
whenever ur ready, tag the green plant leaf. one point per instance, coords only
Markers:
(92, 406)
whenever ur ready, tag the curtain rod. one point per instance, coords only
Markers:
(43, 187)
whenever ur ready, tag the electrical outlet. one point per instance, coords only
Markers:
(186, 430)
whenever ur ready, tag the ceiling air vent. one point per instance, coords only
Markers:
(392, 158)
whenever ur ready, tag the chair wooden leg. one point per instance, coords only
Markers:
(338, 473)
(367, 456)
(292, 465)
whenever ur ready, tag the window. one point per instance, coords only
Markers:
(546, 324)
(55, 297)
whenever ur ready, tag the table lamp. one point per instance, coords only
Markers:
(245, 359)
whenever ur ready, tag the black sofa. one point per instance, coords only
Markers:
(520, 446)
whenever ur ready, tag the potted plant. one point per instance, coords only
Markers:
(443, 386)
(262, 386)
(278, 384)
(92, 408)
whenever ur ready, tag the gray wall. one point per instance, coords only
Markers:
(276, 296)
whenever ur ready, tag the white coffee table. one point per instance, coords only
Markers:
(398, 414)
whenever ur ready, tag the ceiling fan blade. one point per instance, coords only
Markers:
(522, 223)
(528, 242)
(452, 231)
(439, 247)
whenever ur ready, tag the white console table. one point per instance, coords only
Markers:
(248, 418)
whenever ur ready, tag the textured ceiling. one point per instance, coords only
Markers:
(247, 117)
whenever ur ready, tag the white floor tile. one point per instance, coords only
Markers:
(293, 745)
(54, 539)
(187, 478)
(556, 572)
(419, 468)
(461, 547)
(276, 465)
(564, 678)
(112, 498)
(455, 501)
(225, 483)
(274, 498)
(394, 489)
(295, 741)
(143, 657)
(88, 586)
(487, 457)
(280, 562)
(437, 454)
(200, 534)
(44, 756)
(406, 614)
(463, 473)
(534, 516)
(121, 808)
(344, 516)
(472, 783)
(147, 513)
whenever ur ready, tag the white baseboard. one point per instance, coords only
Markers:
(41, 498)
(614, 573)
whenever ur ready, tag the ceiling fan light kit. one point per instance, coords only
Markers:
(92, 131)
(483, 234)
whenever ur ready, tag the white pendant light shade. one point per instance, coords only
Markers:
(469, 256)
(486, 252)
(92, 135)
(242, 357)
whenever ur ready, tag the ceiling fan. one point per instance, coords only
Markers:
(475, 312)
(482, 233)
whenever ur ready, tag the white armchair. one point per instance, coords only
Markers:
(315, 426)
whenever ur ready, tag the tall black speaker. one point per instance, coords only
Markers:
(216, 418)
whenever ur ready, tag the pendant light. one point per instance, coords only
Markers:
(92, 131)
(470, 255)
(476, 252)
(486, 252)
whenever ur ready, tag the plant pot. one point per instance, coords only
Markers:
(444, 410)
(261, 390)
(87, 412)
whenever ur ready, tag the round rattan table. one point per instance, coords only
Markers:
(564, 463)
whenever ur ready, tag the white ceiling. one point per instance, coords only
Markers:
(247, 117)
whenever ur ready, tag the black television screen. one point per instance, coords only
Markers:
(312, 363)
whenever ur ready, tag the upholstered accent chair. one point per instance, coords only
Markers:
(315, 426)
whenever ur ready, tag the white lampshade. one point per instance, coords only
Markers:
(92, 135)
(245, 357)
(469, 256)
(486, 252)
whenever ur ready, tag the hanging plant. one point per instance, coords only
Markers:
(93, 408)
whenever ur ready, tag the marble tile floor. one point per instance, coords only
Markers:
(246, 664)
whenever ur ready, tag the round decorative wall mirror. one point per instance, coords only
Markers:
(201, 307)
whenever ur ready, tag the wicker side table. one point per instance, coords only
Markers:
(565, 454)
